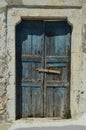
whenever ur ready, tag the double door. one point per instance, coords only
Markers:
(42, 68)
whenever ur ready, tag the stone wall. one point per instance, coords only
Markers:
(7, 52)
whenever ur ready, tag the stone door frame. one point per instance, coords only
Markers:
(73, 17)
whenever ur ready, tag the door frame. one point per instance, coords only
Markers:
(49, 14)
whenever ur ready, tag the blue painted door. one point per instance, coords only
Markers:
(57, 56)
(42, 49)
(29, 57)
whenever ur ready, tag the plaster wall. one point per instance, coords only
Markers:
(11, 13)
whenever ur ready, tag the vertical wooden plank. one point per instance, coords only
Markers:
(25, 70)
(57, 103)
(50, 101)
(36, 76)
(64, 74)
(36, 102)
(60, 102)
(26, 101)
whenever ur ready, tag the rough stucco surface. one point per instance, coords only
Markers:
(3, 67)
(5, 52)
(47, 3)
(83, 67)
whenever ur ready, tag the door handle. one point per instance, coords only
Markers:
(57, 71)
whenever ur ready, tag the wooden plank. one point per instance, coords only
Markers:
(29, 58)
(57, 59)
(57, 84)
(35, 84)
(26, 70)
(57, 102)
(26, 101)
(57, 71)
(36, 102)
(65, 74)
(50, 102)
(60, 102)
(56, 65)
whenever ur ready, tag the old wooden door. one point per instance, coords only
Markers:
(57, 56)
(42, 50)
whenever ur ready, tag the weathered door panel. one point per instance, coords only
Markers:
(31, 83)
(42, 46)
(37, 102)
(26, 100)
(56, 101)
(57, 56)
